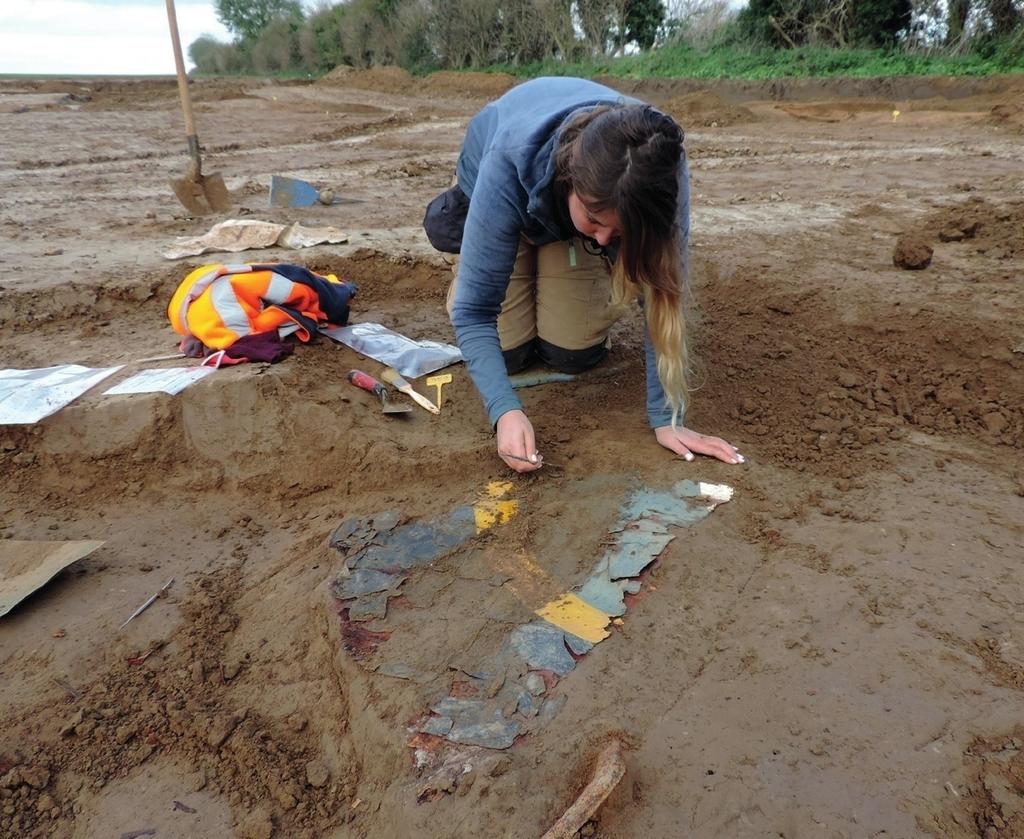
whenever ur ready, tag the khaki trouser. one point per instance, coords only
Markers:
(557, 292)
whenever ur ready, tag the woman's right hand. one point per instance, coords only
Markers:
(516, 440)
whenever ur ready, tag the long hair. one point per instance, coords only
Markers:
(626, 158)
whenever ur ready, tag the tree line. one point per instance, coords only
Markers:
(423, 35)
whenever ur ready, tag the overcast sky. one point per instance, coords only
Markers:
(103, 37)
(98, 36)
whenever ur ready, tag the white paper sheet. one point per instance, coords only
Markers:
(170, 380)
(410, 358)
(27, 396)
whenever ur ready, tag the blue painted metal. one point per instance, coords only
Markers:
(291, 192)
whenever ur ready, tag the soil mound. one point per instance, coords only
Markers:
(450, 83)
(1008, 115)
(706, 109)
(383, 79)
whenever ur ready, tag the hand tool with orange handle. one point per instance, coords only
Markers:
(371, 385)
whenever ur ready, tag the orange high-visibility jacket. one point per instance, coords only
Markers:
(218, 304)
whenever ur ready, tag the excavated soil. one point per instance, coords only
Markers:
(706, 110)
(835, 652)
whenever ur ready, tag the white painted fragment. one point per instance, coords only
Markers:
(716, 492)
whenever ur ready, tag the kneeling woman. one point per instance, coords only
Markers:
(571, 201)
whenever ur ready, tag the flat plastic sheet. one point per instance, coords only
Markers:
(27, 396)
(160, 380)
(410, 358)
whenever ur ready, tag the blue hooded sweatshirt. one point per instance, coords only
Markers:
(507, 168)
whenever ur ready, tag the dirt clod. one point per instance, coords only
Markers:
(317, 773)
(912, 253)
(257, 825)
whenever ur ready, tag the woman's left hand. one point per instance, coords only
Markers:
(685, 442)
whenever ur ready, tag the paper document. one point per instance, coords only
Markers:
(27, 396)
(169, 380)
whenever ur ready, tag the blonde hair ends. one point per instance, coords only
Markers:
(667, 325)
(626, 158)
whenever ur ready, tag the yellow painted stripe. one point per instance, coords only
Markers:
(496, 489)
(571, 614)
(492, 509)
(490, 513)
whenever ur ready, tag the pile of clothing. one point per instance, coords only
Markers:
(255, 312)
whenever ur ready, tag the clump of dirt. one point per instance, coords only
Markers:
(383, 79)
(912, 253)
(466, 84)
(707, 110)
(1008, 115)
(183, 699)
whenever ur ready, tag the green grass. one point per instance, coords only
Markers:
(744, 63)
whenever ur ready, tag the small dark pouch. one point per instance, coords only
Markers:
(445, 220)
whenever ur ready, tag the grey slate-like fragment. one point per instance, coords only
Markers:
(457, 706)
(577, 644)
(418, 543)
(529, 704)
(549, 710)
(363, 581)
(371, 606)
(476, 722)
(438, 726)
(535, 684)
(344, 530)
(635, 550)
(646, 502)
(542, 646)
(603, 594)
(388, 520)
(496, 733)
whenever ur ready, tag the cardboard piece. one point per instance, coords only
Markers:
(28, 566)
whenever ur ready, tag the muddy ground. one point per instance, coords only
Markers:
(836, 652)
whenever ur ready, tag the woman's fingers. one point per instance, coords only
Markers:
(717, 448)
(517, 444)
(670, 439)
(685, 443)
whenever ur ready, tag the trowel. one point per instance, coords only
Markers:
(292, 192)
(371, 385)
